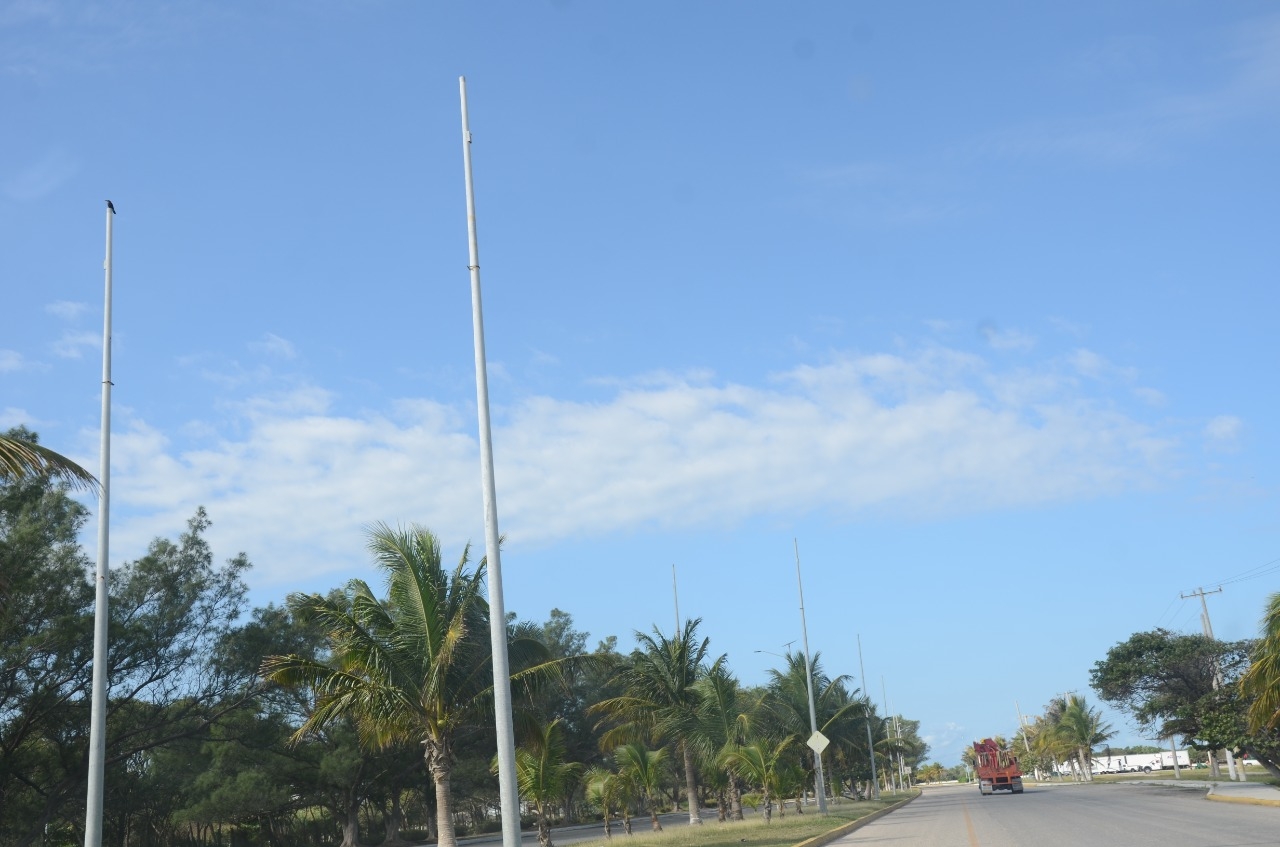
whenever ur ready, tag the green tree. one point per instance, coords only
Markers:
(608, 791)
(544, 777)
(45, 650)
(660, 700)
(416, 668)
(168, 612)
(759, 764)
(1261, 683)
(644, 770)
(840, 715)
(724, 724)
(1167, 681)
(1083, 728)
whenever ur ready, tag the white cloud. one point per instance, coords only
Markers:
(11, 360)
(1095, 366)
(1223, 430)
(1151, 396)
(274, 345)
(73, 344)
(935, 433)
(1005, 339)
(11, 417)
(66, 309)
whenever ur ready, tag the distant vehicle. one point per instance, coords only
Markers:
(997, 769)
(1140, 762)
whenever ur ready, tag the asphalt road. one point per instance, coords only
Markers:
(1071, 816)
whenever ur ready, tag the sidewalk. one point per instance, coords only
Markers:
(1253, 793)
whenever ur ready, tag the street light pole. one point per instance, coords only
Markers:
(821, 785)
(871, 750)
(508, 787)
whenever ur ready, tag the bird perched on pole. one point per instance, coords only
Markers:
(112, 208)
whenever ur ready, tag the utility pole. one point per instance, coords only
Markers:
(897, 733)
(1026, 743)
(1217, 672)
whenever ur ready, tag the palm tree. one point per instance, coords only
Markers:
(1083, 728)
(724, 722)
(660, 700)
(840, 716)
(758, 764)
(643, 769)
(608, 791)
(542, 773)
(21, 457)
(414, 668)
(1261, 683)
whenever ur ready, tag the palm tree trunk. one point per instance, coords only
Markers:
(544, 830)
(1085, 764)
(442, 778)
(690, 784)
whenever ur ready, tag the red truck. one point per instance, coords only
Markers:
(997, 769)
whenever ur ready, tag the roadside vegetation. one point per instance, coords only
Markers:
(364, 714)
(1203, 696)
(785, 831)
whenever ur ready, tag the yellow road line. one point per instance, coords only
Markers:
(968, 825)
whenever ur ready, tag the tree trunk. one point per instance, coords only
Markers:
(395, 820)
(438, 766)
(544, 829)
(653, 818)
(690, 784)
(351, 826)
(735, 799)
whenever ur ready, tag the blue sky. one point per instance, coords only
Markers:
(975, 303)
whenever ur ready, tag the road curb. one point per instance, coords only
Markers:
(1251, 801)
(828, 837)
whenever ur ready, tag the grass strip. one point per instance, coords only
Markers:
(791, 830)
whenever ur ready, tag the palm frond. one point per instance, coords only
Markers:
(24, 459)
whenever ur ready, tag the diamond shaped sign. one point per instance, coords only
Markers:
(818, 742)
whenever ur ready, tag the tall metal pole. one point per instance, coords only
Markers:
(871, 750)
(821, 785)
(675, 596)
(508, 789)
(98, 703)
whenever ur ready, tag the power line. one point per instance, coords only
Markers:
(1253, 573)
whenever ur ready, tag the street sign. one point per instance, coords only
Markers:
(818, 742)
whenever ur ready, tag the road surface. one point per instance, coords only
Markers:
(1071, 816)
